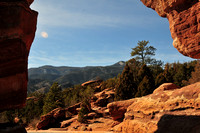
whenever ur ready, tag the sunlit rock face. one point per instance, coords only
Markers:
(17, 31)
(184, 20)
(167, 110)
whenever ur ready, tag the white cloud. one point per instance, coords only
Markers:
(44, 34)
(50, 15)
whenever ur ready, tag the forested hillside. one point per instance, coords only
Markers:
(43, 77)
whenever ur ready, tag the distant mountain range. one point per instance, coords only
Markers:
(41, 78)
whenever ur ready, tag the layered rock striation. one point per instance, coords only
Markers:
(17, 31)
(184, 21)
(167, 111)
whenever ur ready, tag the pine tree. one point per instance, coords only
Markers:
(180, 74)
(168, 73)
(85, 109)
(144, 71)
(53, 99)
(156, 68)
(146, 82)
(143, 53)
(160, 79)
(144, 87)
(126, 88)
(195, 75)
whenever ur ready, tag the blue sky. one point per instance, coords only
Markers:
(97, 32)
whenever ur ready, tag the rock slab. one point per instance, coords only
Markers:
(174, 111)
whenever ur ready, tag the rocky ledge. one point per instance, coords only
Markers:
(184, 20)
(66, 119)
(167, 110)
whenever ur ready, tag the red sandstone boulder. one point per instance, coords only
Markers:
(17, 31)
(73, 109)
(174, 111)
(101, 99)
(68, 122)
(119, 108)
(166, 86)
(53, 118)
(91, 82)
(184, 20)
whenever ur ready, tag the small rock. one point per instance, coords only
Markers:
(165, 87)
(83, 128)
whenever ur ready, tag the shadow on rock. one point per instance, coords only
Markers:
(11, 128)
(179, 124)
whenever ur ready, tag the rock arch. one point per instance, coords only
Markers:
(18, 26)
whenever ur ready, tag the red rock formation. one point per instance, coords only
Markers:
(102, 98)
(166, 86)
(57, 115)
(17, 31)
(119, 108)
(53, 118)
(174, 111)
(91, 82)
(184, 20)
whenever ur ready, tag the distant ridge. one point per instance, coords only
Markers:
(41, 78)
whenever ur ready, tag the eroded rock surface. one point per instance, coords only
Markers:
(174, 111)
(118, 109)
(17, 31)
(53, 118)
(184, 20)
(166, 86)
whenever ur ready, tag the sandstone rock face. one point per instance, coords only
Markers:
(184, 20)
(170, 111)
(119, 108)
(68, 122)
(17, 31)
(166, 86)
(101, 99)
(53, 118)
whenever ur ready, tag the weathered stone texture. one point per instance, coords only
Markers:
(17, 31)
(118, 109)
(174, 111)
(184, 20)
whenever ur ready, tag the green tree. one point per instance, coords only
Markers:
(33, 108)
(53, 98)
(143, 53)
(126, 88)
(109, 83)
(168, 73)
(144, 87)
(145, 81)
(195, 74)
(10, 115)
(160, 79)
(85, 109)
(156, 68)
(180, 74)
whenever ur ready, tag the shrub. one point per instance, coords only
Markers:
(85, 109)
(53, 99)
